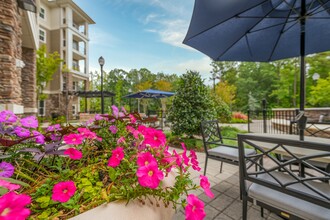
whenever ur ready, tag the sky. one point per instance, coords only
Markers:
(134, 34)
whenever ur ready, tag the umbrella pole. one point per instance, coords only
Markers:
(302, 121)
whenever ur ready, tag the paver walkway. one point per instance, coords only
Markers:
(226, 204)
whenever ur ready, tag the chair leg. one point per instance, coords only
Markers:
(244, 217)
(221, 167)
(205, 165)
(262, 212)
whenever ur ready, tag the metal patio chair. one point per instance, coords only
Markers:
(215, 148)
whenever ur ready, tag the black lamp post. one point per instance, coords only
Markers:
(101, 62)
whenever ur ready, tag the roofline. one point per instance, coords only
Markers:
(74, 6)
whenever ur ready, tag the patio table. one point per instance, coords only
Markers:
(310, 150)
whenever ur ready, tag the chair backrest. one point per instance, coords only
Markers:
(271, 170)
(211, 133)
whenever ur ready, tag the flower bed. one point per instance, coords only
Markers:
(66, 170)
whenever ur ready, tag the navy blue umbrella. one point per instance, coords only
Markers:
(261, 30)
(150, 93)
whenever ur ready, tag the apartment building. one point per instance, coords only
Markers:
(63, 27)
(24, 26)
(18, 44)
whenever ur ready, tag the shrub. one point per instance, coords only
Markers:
(191, 104)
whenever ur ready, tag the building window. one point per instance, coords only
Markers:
(74, 86)
(74, 110)
(64, 83)
(42, 35)
(42, 13)
(41, 108)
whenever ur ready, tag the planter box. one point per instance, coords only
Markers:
(134, 210)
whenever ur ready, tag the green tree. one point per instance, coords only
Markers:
(47, 65)
(320, 93)
(258, 79)
(226, 71)
(191, 104)
(226, 92)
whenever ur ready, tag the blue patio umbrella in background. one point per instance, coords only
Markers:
(261, 31)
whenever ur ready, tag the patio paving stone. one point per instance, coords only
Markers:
(226, 204)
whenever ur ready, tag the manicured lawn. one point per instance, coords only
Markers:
(196, 143)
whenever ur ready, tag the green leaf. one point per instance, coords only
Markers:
(15, 181)
(3, 190)
(112, 174)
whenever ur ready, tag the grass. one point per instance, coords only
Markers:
(196, 143)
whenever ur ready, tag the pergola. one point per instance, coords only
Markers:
(94, 94)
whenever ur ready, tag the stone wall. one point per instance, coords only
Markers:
(29, 81)
(10, 53)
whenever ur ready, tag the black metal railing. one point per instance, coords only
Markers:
(283, 121)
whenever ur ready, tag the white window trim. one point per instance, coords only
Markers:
(43, 18)
(45, 35)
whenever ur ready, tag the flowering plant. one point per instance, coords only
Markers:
(63, 171)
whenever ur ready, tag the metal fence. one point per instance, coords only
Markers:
(283, 122)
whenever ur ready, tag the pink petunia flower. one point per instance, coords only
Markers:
(205, 184)
(123, 110)
(178, 159)
(153, 137)
(145, 159)
(195, 208)
(7, 117)
(116, 157)
(113, 129)
(56, 127)
(98, 117)
(86, 133)
(6, 169)
(121, 140)
(30, 122)
(21, 132)
(73, 139)
(132, 118)
(194, 161)
(73, 153)
(149, 175)
(133, 131)
(8, 185)
(63, 191)
(12, 206)
(184, 155)
(40, 139)
(115, 111)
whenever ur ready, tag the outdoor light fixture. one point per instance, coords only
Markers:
(28, 5)
(316, 76)
(101, 62)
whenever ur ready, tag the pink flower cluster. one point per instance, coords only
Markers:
(144, 149)
(63, 191)
(148, 172)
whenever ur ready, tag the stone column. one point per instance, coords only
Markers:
(29, 81)
(10, 57)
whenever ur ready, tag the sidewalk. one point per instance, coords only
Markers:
(226, 204)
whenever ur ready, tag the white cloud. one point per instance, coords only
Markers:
(173, 32)
(200, 65)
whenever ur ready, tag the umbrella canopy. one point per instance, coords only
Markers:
(261, 30)
(150, 93)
